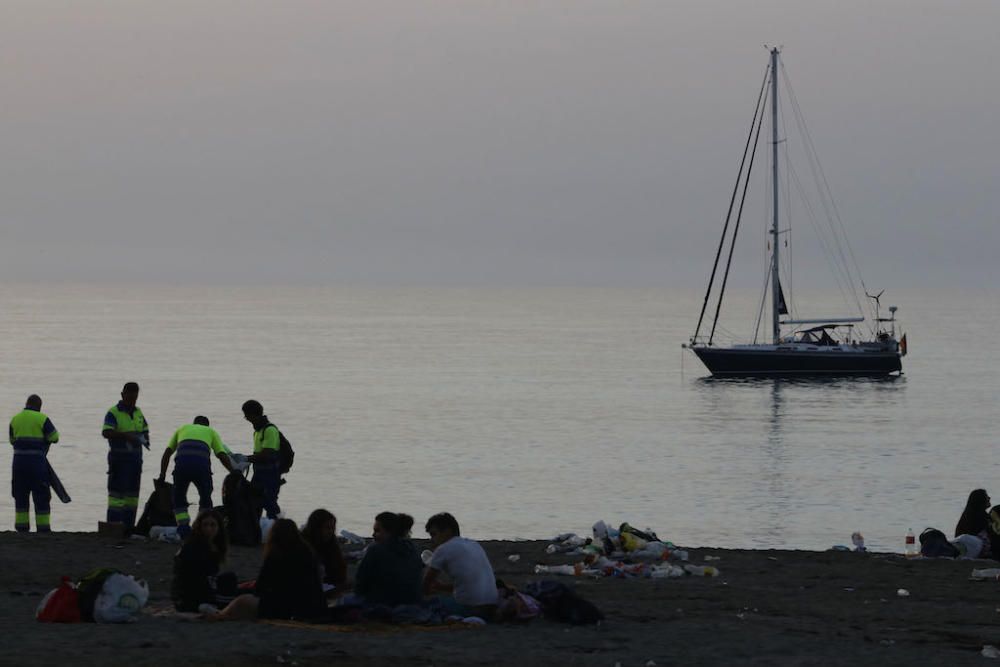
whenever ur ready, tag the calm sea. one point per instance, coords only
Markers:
(524, 412)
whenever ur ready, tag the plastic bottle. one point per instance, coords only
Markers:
(911, 544)
(986, 573)
(570, 570)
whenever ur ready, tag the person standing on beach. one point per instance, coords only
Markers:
(31, 433)
(127, 432)
(265, 457)
(194, 444)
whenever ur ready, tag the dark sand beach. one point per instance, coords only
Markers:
(766, 608)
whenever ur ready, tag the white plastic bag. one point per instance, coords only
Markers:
(120, 600)
(265, 527)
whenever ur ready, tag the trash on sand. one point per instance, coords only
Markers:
(701, 570)
(513, 558)
(986, 574)
(351, 538)
(903, 593)
(709, 557)
(990, 651)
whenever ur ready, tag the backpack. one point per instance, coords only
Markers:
(242, 504)
(286, 455)
(88, 588)
(561, 603)
(934, 544)
(159, 509)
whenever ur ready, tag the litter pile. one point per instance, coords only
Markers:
(103, 596)
(625, 552)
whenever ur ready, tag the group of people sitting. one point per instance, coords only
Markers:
(303, 571)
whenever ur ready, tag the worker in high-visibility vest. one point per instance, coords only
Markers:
(31, 434)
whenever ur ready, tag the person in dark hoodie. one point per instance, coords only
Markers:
(197, 563)
(391, 571)
(288, 585)
(975, 517)
(320, 533)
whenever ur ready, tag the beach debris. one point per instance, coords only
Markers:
(990, 651)
(513, 558)
(473, 620)
(120, 600)
(650, 663)
(603, 567)
(627, 541)
(985, 574)
(351, 538)
(887, 642)
(164, 534)
(709, 557)
(569, 570)
(903, 593)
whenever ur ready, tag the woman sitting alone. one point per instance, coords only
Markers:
(320, 533)
(974, 522)
(197, 563)
(391, 571)
(288, 585)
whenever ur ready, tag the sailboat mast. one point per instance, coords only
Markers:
(775, 284)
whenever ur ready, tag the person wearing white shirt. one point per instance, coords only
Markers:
(473, 585)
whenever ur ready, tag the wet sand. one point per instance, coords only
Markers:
(766, 608)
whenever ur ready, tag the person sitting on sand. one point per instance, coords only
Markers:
(473, 587)
(197, 563)
(972, 536)
(975, 516)
(389, 574)
(288, 585)
(320, 533)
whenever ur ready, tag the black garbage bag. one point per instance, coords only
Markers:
(242, 504)
(159, 509)
(561, 603)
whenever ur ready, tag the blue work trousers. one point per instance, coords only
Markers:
(124, 477)
(267, 478)
(30, 482)
(186, 474)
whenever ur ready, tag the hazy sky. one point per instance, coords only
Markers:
(466, 142)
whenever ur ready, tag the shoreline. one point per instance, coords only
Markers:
(765, 607)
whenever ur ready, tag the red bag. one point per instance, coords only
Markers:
(61, 605)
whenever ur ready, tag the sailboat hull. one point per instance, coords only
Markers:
(776, 361)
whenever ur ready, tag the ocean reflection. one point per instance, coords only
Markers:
(775, 434)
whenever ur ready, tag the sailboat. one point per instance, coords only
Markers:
(798, 346)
